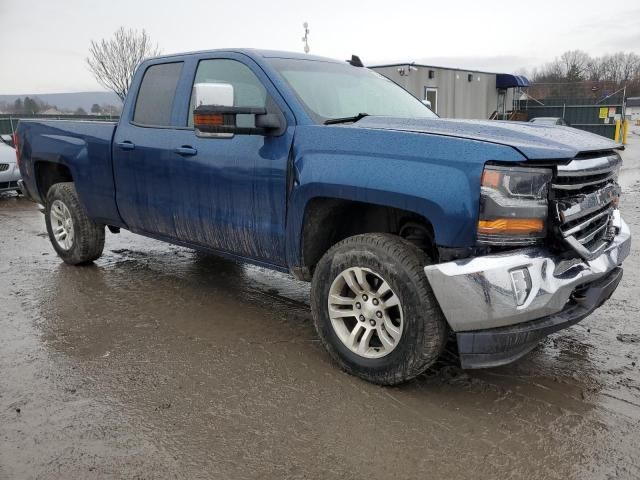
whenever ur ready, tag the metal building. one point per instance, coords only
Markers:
(632, 110)
(458, 93)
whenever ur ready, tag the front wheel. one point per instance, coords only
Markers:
(374, 310)
(75, 238)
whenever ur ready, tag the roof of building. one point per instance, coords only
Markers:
(633, 101)
(503, 80)
(422, 65)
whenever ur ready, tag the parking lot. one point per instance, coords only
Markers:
(160, 362)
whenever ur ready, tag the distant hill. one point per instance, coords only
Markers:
(70, 100)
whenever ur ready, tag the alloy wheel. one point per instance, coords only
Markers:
(365, 312)
(61, 224)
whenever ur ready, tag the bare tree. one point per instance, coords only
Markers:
(613, 65)
(575, 74)
(630, 67)
(574, 65)
(549, 72)
(596, 69)
(113, 62)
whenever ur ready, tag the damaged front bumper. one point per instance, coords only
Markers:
(500, 306)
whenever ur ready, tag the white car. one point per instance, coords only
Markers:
(9, 171)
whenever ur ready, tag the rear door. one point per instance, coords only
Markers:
(143, 157)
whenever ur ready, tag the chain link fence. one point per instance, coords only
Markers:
(591, 106)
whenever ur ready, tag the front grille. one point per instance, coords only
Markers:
(584, 199)
(4, 167)
(4, 185)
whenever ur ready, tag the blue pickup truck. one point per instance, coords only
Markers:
(412, 229)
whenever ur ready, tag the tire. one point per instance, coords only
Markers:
(418, 318)
(84, 241)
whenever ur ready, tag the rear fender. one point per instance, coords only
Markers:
(84, 148)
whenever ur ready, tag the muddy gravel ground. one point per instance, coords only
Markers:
(160, 362)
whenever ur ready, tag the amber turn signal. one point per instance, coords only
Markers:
(511, 226)
(491, 178)
(207, 119)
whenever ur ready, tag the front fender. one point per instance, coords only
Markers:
(436, 177)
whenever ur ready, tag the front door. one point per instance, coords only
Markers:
(232, 191)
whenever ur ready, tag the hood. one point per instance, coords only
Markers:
(536, 142)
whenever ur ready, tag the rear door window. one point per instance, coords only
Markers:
(155, 97)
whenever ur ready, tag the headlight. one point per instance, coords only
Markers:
(513, 205)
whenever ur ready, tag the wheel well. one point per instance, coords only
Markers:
(49, 173)
(328, 221)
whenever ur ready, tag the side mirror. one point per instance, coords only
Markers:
(215, 116)
(427, 103)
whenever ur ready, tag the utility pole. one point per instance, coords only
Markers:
(305, 39)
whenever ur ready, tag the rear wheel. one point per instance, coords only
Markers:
(75, 238)
(374, 310)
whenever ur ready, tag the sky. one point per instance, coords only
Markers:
(44, 44)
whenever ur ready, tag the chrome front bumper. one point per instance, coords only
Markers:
(519, 286)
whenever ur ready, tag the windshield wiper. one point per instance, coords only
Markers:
(353, 119)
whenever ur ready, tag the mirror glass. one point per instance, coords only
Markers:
(212, 94)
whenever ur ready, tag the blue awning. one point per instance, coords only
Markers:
(506, 80)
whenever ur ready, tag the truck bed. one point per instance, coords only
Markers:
(82, 147)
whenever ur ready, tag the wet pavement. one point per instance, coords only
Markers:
(159, 362)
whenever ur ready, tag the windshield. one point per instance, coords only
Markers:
(334, 90)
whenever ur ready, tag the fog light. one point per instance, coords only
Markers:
(521, 284)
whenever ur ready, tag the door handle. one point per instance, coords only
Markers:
(126, 145)
(186, 151)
